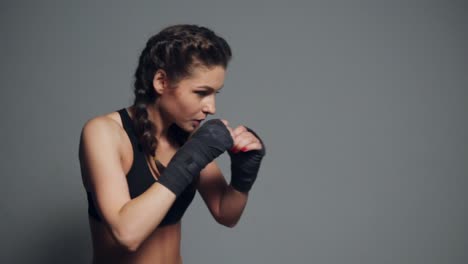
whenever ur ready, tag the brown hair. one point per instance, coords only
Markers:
(177, 50)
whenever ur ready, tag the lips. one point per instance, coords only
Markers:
(198, 121)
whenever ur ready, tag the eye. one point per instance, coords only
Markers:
(205, 93)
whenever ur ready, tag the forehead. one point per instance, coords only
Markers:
(202, 76)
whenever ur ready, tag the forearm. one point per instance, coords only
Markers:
(142, 215)
(232, 205)
(139, 217)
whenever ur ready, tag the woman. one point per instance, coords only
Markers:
(142, 165)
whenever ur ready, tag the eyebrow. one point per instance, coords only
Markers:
(210, 88)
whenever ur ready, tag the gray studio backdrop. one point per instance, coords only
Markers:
(362, 105)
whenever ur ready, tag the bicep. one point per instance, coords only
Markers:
(101, 163)
(211, 186)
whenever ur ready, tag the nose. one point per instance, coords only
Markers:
(209, 106)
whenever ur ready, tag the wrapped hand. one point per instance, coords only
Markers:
(246, 156)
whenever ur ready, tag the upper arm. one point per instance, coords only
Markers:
(211, 186)
(100, 162)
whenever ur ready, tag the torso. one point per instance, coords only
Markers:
(163, 245)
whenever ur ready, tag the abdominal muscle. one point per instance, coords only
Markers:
(162, 246)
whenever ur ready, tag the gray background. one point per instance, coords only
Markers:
(362, 105)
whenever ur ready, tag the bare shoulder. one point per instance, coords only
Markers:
(102, 167)
(107, 125)
(100, 136)
(107, 119)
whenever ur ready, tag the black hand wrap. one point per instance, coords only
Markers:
(245, 166)
(206, 144)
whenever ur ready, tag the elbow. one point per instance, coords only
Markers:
(227, 222)
(231, 225)
(132, 247)
(126, 240)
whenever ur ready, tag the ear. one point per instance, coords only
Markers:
(160, 82)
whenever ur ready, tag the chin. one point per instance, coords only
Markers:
(187, 127)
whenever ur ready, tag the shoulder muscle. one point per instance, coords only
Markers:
(100, 161)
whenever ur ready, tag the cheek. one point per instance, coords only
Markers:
(188, 104)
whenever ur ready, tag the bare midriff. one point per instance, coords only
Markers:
(162, 246)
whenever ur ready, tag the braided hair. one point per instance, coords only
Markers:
(177, 50)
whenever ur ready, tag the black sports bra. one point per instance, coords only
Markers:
(139, 179)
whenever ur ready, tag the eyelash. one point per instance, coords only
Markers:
(203, 93)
